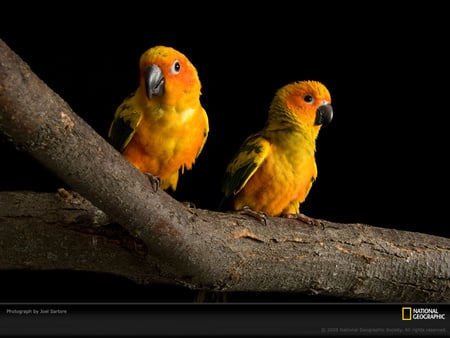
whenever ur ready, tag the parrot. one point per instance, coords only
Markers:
(274, 169)
(162, 127)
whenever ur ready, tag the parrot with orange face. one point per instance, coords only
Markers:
(275, 168)
(161, 128)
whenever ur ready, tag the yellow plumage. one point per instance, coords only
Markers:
(274, 169)
(162, 127)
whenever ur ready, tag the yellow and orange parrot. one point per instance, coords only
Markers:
(161, 128)
(274, 169)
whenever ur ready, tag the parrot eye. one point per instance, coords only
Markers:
(175, 67)
(308, 98)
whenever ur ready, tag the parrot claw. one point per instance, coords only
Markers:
(306, 219)
(155, 181)
(204, 296)
(259, 215)
(189, 205)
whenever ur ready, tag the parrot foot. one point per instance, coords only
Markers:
(306, 219)
(259, 215)
(155, 181)
(211, 297)
(189, 205)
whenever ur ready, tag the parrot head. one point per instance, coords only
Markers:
(308, 102)
(166, 74)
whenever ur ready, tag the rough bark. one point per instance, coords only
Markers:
(160, 239)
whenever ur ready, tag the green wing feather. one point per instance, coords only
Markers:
(248, 159)
(124, 125)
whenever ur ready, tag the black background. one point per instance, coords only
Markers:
(382, 161)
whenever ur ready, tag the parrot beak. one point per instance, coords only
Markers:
(154, 81)
(324, 114)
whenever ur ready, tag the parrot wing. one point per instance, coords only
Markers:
(205, 132)
(124, 125)
(251, 154)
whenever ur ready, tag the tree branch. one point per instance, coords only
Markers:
(162, 240)
(65, 231)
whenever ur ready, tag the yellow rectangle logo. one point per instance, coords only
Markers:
(406, 313)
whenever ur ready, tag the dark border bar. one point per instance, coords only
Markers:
(224, 319)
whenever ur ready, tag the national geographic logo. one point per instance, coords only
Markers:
(422, 313)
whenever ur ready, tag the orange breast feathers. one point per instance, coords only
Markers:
(162, 127)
